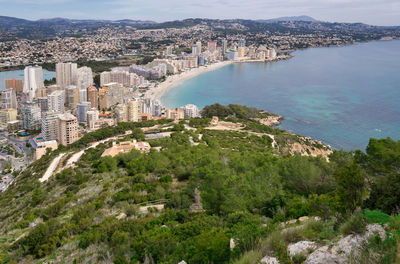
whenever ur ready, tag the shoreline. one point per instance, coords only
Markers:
(158, 91)
(155, 93)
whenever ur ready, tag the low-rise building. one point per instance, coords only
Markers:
(126, 147)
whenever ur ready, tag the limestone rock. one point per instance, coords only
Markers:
(340, 252)
(301, 247)
(269, 260)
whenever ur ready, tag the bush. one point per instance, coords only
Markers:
(376, 216)
(298, 258)
(250, 257)
(355, 225)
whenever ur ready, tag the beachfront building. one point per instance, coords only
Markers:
(212, 46)
(33, 80)
(191, 111)
(123, 77)
(150, 72)
(175, 114)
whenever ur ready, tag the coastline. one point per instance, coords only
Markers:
(158, 91)
(155, 93)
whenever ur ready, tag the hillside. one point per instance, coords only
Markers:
(211, 190)
(14, 28)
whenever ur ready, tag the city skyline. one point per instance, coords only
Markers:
(382, 13)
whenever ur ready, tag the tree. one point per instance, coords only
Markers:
(351, 187)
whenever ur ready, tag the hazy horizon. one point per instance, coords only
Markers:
(373, 12)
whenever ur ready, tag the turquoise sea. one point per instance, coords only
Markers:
(340, 95)
(19, 74)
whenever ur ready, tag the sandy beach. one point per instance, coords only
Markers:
(174, 80)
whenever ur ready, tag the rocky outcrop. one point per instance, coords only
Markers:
(341, 251)
(309, 150)
(269, 260)
(302, 248)
(272, 120)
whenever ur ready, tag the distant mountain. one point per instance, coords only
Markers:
(14, 28)
(285, 19)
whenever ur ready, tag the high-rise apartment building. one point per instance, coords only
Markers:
(93, 96)
(198, 44)
(122, 77)
(242, 43)
(92, 115)
(66, 74)
(191, 111)
(43, 103)
(16, 84)
(33, 80)
(134, 110)
(72, 96)
(31, 116)
(7, 115)
(212, 46)
(196, 50)
(50, 125)
(84, 80)
(168, 51)
(81, 111)
(241, 52)
(56, 101)
(224, 46)
(68, 129)
(8, 99)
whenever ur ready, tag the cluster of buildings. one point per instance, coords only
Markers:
(62, 113)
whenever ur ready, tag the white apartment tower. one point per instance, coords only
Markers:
(134, 110)
(56, 101)
(8, 99)
(50, 125)
(84, 80)
(33, 80)
(66, 74)
(92, 115)
(31, 116)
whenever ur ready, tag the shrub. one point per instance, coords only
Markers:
(376, 216)
(354, 225)
(298, 258)
(250, 257)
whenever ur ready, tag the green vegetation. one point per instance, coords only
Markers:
(136, 207)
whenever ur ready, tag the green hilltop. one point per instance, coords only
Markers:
(209, 191)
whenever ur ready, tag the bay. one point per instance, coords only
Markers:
(340, 95)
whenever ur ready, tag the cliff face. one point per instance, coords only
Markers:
(307, 150)
(273, 120)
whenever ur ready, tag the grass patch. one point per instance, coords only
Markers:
(376, 216)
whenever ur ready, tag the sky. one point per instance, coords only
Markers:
(374, 12)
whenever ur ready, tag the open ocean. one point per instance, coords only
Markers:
(340, 95)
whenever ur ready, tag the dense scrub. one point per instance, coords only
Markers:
(94, 212)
